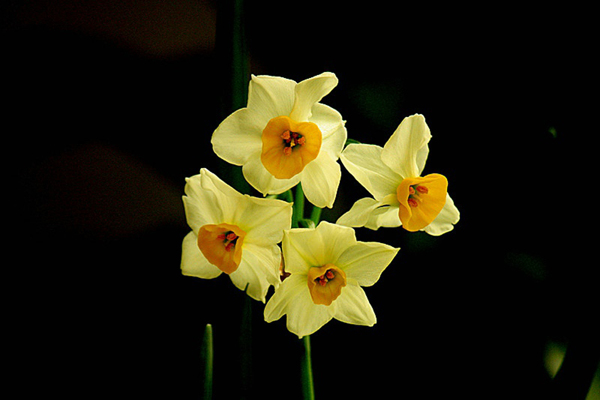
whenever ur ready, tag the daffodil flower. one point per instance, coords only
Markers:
(285, 136)
(327, 268)
(234, 234)
(392, 175)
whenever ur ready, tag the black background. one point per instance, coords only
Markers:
(109, 105)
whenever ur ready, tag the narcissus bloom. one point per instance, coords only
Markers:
(392, 174)
(285, 136)
(327, 267)
(233, 233)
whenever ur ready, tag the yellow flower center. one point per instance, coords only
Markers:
(222, 245)
(421, 200)
(287, 146)
(325, 283)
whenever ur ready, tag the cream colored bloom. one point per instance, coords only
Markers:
(233, 233)
(285, 136)
(392, 175)
(327, 268)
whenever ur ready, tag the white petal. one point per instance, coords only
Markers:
(258, 269)
(359, 214)
(445, 220)
(293, 298)
(302, 249)
(365, 261)
(193, 262)
(264, 220)
(337, 240)
(311, 91)
(225, 200)
(262, 180)
(321, 179)
(353, 306)
(406, 150)
(364, 162)
(305, 317)
(212, 182)
(266, 259)
(334, 140)
(289, 291)
(306, 248)
(270, 97)
(328, 120)
(201, 206)
(385, 216)
(238, 136)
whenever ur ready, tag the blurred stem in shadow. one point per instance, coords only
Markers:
(233, 65)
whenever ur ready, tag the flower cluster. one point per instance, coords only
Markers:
(286, 137)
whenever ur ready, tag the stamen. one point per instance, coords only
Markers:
(222, 236)
(422, 189)
(411, 190)
(291, 140)
(330, 274)
(231, 236)
(322, 281)
(412, 202)
(229, 246)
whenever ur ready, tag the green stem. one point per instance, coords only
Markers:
(315, 215)
(308, 388)
(233, 66)
(298, 213)
(246, 339)
(207, 352)
(287, 196)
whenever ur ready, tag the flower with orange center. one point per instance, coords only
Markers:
(285, 136)
(327, 269)
(233, 234)
(392, 174)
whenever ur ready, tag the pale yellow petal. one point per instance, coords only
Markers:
(364, 162)
(309, 92)
(406, 150)
(321, 179)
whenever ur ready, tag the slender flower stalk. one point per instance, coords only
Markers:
(208, 356)
(308, 386)
(298, 213)
(233, 61)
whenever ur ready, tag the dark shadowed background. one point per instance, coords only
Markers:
(109, 105)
